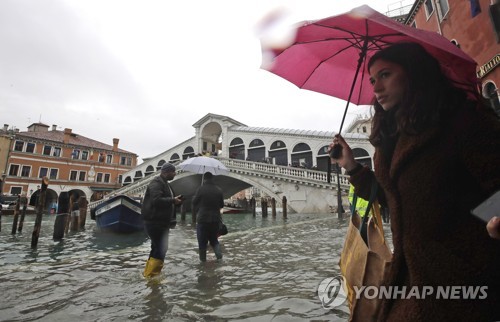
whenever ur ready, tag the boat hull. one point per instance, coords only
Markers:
(120, 214)
(232, 210)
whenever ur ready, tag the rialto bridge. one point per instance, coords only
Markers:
(276, 162)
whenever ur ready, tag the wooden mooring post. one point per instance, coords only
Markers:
(263, 203)
(75, 214)
(16, 215)
(83, 204)
(284, 207)
(39, 212)
(62, 216)
(273, 207)
(24, 204)
(253, 205)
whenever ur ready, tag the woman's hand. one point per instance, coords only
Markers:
(346, 158)
(493, 227)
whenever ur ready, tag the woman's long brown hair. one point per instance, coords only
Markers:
(430, 97)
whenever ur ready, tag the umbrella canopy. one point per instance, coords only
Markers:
(329, 56)
(203, 164)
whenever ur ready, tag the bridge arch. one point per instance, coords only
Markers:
(237, 149)
(211, 134)
(278, 153)
(174, 158)
(160, 163)
(323, 158)
(188, 152)
(127, 180)
(362, 156)
(256, 150)
(302, 155)
(138, 175)
(149, 170)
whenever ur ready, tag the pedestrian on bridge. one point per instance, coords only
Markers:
(207, 204)
(437, 148)
(159, 214)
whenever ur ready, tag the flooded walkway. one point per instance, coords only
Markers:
(270, 272)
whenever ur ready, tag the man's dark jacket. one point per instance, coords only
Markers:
(158, 206)
(207, 202)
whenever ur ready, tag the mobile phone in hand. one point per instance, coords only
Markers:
(488, 208)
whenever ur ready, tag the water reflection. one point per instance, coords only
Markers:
(270, 271)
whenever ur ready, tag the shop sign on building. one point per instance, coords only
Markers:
(489, 66)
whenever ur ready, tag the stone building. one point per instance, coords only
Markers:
(474, 26)
(72, 163)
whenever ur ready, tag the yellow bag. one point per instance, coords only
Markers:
(363, 263)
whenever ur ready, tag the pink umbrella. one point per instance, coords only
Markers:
(329, 55)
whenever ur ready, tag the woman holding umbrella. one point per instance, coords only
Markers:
(436, 158)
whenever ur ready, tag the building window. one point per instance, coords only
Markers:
(490, 92)
(99, 177)
(18, 146)
(46, 149)
(53, 174)
(72, 175)
(30, 147)
(25, 171)
(85, 155)
(81, 177)
(364, 129)
(429, 8)
(75, 154)
(101, 157)
(14, 170)
(16, 191)
(109, 158)
(56, 152)
(106, 177)
(444, 7)
(43, 172)
(126, 161)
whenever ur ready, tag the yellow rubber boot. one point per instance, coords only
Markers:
(153, 267)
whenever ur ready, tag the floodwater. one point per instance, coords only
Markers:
(270, 272)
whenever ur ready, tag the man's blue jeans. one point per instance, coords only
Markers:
(159, 240)
(207, 232)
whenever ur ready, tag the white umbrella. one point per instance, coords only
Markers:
(203, 164)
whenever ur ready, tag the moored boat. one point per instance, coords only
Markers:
(120, 214)
(232, 210)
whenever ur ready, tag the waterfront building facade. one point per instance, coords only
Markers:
(72, 163)
(474, 26)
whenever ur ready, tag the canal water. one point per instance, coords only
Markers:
(270, 272)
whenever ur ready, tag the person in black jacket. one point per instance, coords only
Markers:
(159, 215)
(207, 204)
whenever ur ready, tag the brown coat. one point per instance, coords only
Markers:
(430, 186)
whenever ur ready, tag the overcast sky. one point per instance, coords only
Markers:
(145, 71)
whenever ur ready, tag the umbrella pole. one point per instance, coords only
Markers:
(336, 154)
(340, 208)
(362, 55)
